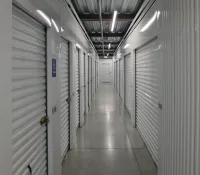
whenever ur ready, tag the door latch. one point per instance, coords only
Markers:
(159, 105)
(68, 100)
(44, 121)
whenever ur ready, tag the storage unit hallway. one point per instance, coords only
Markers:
(107, 144)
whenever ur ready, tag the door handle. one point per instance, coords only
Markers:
(68, 100)
(44, 120)
(160, 106)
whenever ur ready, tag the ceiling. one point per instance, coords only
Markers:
(88, 12)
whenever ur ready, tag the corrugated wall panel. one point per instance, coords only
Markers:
(180, 117)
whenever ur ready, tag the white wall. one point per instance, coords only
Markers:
(5, 90)
(178, 30)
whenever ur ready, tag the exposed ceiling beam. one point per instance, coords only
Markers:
(101, 55)
(106, 34)
(106, 43)
(106, 17)
(105, 50)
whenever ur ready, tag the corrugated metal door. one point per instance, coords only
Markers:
(147, 91)
(77, 88)
(89, 80)
(105, 72)
(115, 74)
(84, 69)
(64, 96)
(29, 137)
(121, 77)
(93, 78)
(128, 81)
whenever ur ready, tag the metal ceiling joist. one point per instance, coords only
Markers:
(106, 34)
(100, 55)
(105, 50)
(105, 43)
(106, 17)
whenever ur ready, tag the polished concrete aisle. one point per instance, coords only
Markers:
(107, 144)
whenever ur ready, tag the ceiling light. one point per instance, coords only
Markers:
(55, 25)
(77, 45)
(127, 45)
(44, 16)
(105, 57)
(109, 46)
(62, 30)
(150, 22)
(113, 22)
(88, 54)
(107, 54)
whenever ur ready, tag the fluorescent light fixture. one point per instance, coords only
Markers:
(55, 25)
(77, 45)
(127, 45)
(113, 22)
(88, 54)
(62, 30)
(150, 22)
(44, 16)
(109, 46)
(105, 57)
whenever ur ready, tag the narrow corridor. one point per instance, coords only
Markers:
(107, 144)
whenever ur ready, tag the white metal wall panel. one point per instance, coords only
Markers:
(77, 87)
(148, 86)
(64, 96)
(128, 82)
(121, 78)
(29, 138)
(180, 139)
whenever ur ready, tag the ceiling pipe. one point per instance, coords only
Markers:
(101, 24)
(73, 11)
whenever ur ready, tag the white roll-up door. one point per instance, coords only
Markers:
(84, 70)
(128, 70)
(117, 65)
(121, 77)
(96, 75)
(105, 72)
(29, 106)
(89, 81)
(93, 80)
(77, 88)
(115, 75)
(64, 96)
(147, 92)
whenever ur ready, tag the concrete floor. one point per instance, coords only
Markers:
(108, 144)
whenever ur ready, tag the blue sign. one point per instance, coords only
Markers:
(53, 67)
